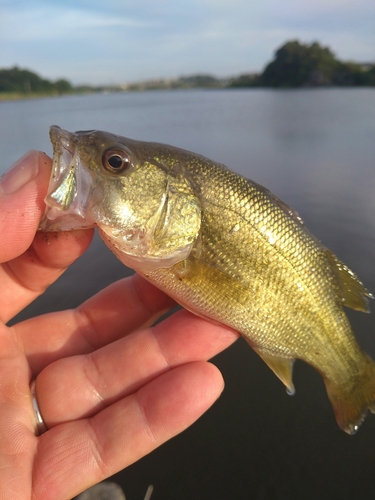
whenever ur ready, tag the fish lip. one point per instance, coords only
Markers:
(70, 187)
(61, 137)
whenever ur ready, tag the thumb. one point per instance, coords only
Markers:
(22, 191)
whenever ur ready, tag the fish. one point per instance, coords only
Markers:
(223, 247)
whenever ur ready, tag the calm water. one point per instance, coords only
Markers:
(315, 149)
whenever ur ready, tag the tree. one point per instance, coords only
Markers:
(63, 86)
(245, 80)
(297, 65)
(24, 81)
(351, 73)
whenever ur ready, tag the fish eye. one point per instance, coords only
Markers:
(116, 160)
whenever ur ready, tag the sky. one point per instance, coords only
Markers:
(121, 41)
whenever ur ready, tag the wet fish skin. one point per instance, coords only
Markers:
(225, 248)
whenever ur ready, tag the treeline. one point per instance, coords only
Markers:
(294, 65)
(303, 65)
(184, 82)
(23, 81)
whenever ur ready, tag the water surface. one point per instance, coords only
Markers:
(314, 149)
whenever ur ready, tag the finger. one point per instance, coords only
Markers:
(121, 308)
(124, 432)
(80, 386)
(22, 190)
(17, 433)
(30, 263)
(27, 276)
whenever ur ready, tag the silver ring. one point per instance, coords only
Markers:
(40, 425)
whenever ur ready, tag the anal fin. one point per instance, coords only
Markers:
(282, 368)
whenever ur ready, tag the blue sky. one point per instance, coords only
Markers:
(118, 41)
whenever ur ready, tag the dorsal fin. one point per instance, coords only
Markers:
(353, 293)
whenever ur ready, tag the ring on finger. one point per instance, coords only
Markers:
(40, 426)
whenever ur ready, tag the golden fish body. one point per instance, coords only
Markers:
(222, 246)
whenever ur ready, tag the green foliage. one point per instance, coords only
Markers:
(184, 82)
(351, 73)
(294, 65)
(245, 80)
(299, 65)
(199, 81)
(23, 81)
(63, 86)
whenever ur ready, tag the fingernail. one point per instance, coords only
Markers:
(19, 174)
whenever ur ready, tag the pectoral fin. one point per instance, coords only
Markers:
(353, 293)
(282, 368)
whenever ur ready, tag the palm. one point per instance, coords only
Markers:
(107, 397)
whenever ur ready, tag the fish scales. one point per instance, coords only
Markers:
(225, 248)
(261, 284)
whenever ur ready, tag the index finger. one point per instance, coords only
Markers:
(30, 261)
(22, 191)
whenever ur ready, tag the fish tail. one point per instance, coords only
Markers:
(352, 401)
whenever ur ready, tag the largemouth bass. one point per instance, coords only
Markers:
(223, 247)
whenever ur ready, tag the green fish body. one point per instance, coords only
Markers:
(223, 247)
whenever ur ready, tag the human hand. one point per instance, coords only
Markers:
(110, 388)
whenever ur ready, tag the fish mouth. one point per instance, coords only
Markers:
(70, 187)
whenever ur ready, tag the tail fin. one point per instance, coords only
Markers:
(350, 402)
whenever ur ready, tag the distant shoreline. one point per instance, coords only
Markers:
(18, 96)
(295, 65)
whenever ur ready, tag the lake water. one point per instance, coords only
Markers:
(315, 149)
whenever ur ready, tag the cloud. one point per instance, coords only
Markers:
(97, 41)
(57, 22)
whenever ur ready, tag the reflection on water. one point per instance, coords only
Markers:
(314, 149)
